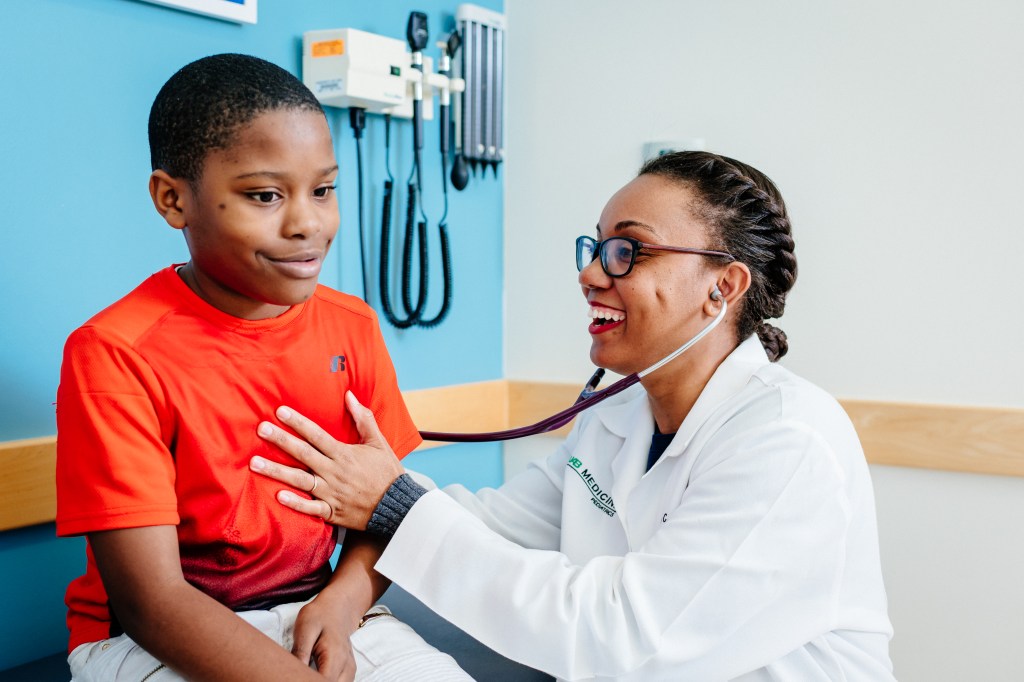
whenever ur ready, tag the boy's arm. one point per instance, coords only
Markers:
(324, 626)
(185, 629)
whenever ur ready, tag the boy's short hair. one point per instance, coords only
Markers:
(203, 105)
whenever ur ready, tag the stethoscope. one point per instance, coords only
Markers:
(589, 396)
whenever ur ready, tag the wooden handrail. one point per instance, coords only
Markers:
(967, 439)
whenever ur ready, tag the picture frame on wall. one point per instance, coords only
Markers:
(241, 11)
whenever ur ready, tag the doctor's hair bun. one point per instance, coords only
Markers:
(745, 216)
(202, 106)
(773, 339)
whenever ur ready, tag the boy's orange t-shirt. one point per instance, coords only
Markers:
(159, 398)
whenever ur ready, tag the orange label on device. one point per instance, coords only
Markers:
(328, 48)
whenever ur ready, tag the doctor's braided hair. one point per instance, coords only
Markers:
(746, 217)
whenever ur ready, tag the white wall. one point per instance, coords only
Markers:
(894, 129)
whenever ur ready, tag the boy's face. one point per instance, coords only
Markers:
(262, 216)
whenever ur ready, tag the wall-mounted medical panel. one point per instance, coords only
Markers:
(480, 124)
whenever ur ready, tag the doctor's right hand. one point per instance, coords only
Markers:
(346, 481)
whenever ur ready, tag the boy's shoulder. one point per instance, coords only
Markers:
(137, 311)
(345, 304)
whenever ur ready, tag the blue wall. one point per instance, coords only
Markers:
(77, 80)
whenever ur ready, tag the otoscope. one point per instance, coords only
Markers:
(588, 397)
(416, 35)
(444, 67)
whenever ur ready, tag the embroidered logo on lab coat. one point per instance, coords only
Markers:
(598, 496)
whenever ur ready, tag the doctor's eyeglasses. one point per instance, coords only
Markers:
(618, 254)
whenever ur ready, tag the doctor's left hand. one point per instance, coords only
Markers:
(346, 481)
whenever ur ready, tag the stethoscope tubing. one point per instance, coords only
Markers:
(588, 398)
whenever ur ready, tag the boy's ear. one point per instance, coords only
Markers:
(168, 197)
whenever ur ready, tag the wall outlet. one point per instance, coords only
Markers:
(662, 147)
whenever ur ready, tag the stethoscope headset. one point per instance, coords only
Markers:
(589, 397)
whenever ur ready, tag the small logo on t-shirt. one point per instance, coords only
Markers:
(338, 363)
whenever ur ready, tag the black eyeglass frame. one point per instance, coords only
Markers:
(599, 252)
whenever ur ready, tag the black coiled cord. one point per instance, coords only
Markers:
(413, 314)
(385, 237)
(446, 261)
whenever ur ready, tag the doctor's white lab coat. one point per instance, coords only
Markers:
(748, 552)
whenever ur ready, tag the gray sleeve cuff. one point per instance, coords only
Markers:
(393, 507)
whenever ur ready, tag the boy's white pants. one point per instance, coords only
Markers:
(385, 649)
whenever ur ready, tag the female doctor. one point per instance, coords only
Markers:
(714, 522)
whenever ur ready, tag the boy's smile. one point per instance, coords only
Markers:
(262, 216)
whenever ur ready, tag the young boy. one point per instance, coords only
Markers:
(191, 562)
